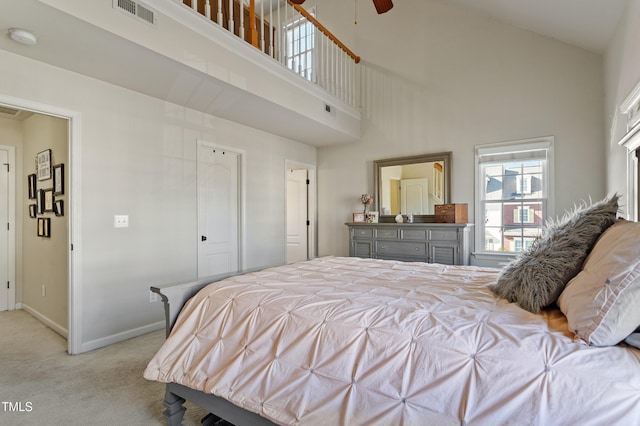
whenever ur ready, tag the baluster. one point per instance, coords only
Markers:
(330, 78)
(348, 80)
(335, 68)
(262, 26)
(194, 5)
(285, 39)
(354, 88)
(207, 9)
(338, 64)
(299, 55)
(341, 74)
(353, 82)
(252, 23)
(231, 28)
(320, 62)
(343, 95)
(220, 16)
(279, 37)
(314, 55)
(325, 65)
(271, 53)
(242, 30)
(338, 73)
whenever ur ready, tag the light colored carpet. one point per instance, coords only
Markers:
(102, 387)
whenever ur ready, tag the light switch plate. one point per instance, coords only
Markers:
(121, 221)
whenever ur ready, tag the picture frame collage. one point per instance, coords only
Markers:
(46, 199)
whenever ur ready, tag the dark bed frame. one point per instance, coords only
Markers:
(174, 297)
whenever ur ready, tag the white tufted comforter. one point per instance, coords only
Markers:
(348, 341)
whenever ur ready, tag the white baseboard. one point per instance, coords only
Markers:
(119, 337)
(45, 320)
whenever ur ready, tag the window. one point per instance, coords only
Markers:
(512, 198)
(523, 184)
(523, 215)
(299, 45)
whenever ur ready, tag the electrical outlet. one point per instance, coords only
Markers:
(44, 291)
(153, 297)
(121, 221)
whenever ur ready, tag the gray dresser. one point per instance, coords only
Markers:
(446, 243)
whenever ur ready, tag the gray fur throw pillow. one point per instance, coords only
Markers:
(537, 276)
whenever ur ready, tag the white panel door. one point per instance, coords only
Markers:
(218, 208)
(414, 196)
(297, 215)
(4, 232)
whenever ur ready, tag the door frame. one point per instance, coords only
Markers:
(241, 199)
(11, 217)
(74, 301)
(312, 209)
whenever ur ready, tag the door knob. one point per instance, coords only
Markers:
(203, 238)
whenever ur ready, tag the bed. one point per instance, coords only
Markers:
(363, 341)
(550, 339)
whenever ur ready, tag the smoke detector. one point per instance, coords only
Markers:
(22, 36)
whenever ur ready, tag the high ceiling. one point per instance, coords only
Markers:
(589, 24)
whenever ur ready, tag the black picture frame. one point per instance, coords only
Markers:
(58, 179)
(43, 164)
(32, 210)
(49, 200)
(58, 207)
(31, 179)
(44, 227)
(39, 201)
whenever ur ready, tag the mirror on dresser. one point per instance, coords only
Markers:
(412, 185)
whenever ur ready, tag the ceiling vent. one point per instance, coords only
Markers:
(136, 9)
(8, 111)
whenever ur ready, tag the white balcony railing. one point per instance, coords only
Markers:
(292, 36)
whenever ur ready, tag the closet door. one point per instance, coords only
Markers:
(218, 210)
(297, 215)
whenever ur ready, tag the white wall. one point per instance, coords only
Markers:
(438, 78)
(187, 38)
(44, 260)
(137, 157)
(622, 74)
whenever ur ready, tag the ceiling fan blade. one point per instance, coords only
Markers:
(297, 1)
(383, 6)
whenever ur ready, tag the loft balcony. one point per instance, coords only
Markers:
(292, 36)
(278, 70)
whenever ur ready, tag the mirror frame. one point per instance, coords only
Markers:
(445, 157)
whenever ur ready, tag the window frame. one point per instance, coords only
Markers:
(519, 146)
(292, 25)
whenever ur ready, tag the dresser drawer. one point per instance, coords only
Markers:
(449, 244)
(363, 233)
(390, 233)
(413, 234)
(443, 235)
(401, 248)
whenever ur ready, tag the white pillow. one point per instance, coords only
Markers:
(602, 302)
